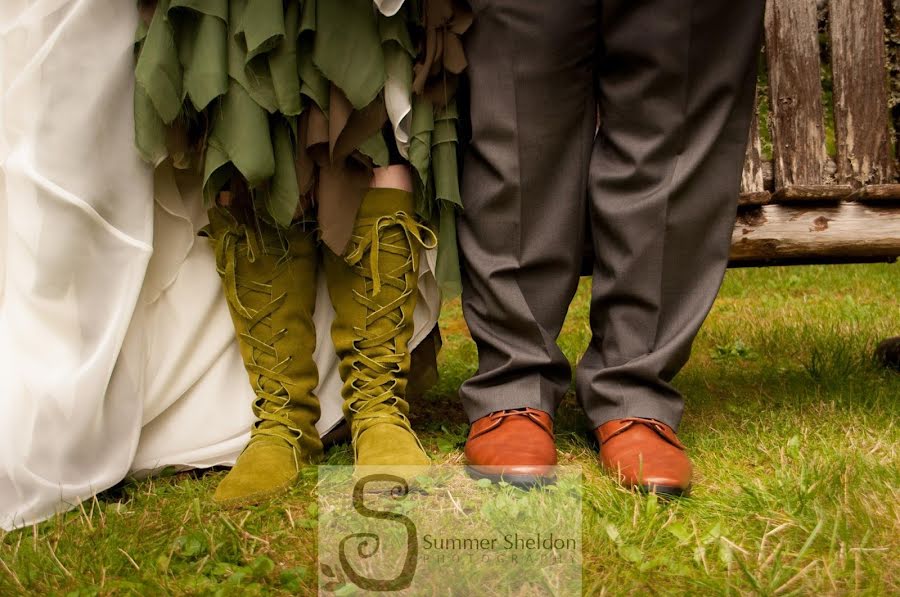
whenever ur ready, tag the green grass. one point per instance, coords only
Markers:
(792, 429)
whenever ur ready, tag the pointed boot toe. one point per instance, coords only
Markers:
(263, 471)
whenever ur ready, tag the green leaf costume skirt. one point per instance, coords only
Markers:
(290, 101)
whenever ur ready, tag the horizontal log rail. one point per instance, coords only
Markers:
(875, 193)
(809, 232)
(850, 232)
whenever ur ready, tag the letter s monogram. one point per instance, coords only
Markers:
(404, 580)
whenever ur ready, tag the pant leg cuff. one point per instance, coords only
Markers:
(643, 405)
(528, 392)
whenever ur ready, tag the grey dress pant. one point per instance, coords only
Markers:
(658, 183)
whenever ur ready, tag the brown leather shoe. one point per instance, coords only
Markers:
(646, 454)
(515, 446)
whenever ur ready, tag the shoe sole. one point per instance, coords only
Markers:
(253, 499)
(519, 481)
(665, 490)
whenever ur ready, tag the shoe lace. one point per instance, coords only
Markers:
(513, 412)
(272, 397)
(530, 413)
(378, 359)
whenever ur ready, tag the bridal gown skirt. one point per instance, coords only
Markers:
(117, 352)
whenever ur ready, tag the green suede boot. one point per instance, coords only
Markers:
(374, 290)
(269, 277)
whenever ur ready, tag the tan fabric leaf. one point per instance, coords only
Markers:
(340, 193)
(454, 55)
(339, 112)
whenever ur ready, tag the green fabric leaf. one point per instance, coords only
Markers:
(262, 26)
(447, 270)
(253, 76)
(446, 173)
(149, 129)
(140, 33)
(158, 71)
(217, 173)
(314, 84)
(308, 17)
(376, 148)
(283, 193)
(240, 131)
(396, 29)
(420, 141)
(348, 49)
(443, 155)
(202, 51)
(283, 64)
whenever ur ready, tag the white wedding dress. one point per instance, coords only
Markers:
(117, 353)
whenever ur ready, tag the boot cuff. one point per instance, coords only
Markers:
(382, 202)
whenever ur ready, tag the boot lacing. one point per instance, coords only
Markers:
(272, 396)
(378, 362)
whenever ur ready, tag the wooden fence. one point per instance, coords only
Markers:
(818, 199)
